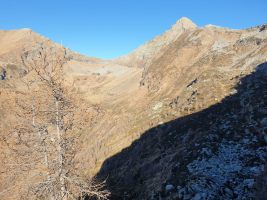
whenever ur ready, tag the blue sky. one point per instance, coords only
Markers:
(110, 28)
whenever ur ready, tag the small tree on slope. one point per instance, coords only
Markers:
(50, 116)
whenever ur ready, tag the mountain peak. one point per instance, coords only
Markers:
(185, 23)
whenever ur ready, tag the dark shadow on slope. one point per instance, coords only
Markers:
(162, 154)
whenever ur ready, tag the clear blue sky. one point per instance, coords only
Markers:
(110, 28)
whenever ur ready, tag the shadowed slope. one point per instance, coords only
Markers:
(212, 154)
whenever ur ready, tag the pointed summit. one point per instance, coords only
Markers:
(184, 23)
(145, 53)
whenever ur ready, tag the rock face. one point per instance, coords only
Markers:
(181, 117)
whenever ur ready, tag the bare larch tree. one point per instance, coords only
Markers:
(50, 116)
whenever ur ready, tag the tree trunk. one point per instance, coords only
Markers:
(60, 155)
(43, 146)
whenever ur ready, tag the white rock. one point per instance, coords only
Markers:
(169, 187)
(158, 106)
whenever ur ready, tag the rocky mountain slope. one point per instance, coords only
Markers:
(188, 106)
(216, 153)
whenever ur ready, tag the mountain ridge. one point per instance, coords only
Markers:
(183, 23)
